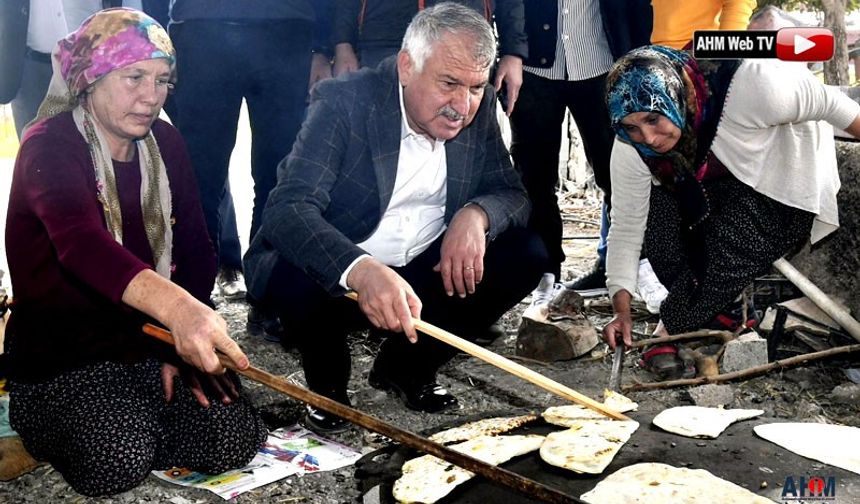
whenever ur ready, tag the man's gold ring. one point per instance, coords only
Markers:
(468, 267)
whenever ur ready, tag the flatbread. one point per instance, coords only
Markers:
(427, 479)
(701, 422)
(618, 402)
(570, 414)
(835, 445)
(650, 482)
(485, 427)
(588, 446)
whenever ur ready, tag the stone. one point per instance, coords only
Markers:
(558, 340)
(712, 395)
(747, 351)
(557, 330)
(847, 393)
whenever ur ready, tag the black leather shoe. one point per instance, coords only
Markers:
(429, 397)
(490, 335)
(264, 323)
(323, 422)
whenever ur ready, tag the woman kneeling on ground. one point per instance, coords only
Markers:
(720, 168)
(104, 231)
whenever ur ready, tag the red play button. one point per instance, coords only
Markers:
(804, 44)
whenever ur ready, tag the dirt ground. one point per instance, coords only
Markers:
(799, 394)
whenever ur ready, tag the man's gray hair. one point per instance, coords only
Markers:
(433, 23)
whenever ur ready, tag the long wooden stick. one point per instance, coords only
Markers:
(725, 336)
(510, 366)
(495, 474)
(817, 296)
(745, 373)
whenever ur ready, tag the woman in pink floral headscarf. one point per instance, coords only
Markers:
(104, 232)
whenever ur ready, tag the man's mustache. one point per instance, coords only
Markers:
(450, 113)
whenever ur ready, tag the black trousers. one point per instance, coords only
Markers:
(318, 323)
(218, 64)
(536, 128)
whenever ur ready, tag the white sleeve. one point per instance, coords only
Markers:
(631, 191)
(768, 93)
(348, 270)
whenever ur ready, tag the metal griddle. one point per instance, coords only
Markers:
(737, 455)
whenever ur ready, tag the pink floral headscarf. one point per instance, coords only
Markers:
(108, 40)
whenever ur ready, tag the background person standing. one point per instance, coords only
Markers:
(262, 51)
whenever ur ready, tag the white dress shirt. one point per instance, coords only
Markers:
(415, 215)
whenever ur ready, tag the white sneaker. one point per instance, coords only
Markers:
(543, 294)
(650, 288)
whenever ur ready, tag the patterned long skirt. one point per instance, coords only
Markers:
(745, 232)
(105, 426)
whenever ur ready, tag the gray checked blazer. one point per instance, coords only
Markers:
(336, 183)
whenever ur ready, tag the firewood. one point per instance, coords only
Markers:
(746, 373)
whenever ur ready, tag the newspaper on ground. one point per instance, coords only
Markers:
(287, 451)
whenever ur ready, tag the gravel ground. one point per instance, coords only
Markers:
(802, 394)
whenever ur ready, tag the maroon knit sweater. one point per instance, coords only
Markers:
(68, 273)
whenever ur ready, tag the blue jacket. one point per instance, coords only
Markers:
(627, 24)
(336, 183)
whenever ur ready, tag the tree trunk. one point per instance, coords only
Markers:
(836, 70)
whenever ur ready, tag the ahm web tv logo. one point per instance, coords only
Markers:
(811, 489)
(787, 44)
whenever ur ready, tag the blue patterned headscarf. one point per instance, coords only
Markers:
(653, 79)
(688, 92)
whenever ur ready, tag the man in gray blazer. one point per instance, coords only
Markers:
(398, 187)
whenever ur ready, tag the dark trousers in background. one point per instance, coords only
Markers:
(268, 64)
(374, 56)
(318, 323)
(537, 132)
(230, 247)
(35, 78)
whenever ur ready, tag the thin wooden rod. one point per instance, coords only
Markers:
(497, 475)
(510, 366)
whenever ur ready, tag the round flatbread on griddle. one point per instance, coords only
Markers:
(427, 479)
(701, 422)
(485, 427)
(652, 482)
(588, 446)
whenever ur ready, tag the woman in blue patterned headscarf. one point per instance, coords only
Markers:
(714, 175)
